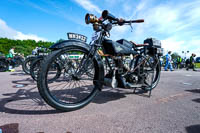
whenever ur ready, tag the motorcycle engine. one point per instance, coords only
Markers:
(131, 78)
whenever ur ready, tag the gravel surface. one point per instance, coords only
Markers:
(174, 107)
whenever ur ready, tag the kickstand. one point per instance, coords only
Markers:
(149, 93)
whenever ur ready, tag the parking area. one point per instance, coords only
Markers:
(174, 107)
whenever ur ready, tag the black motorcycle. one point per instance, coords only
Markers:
(129, 65)
(16, 61)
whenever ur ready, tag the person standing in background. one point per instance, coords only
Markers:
(179, 61)
(35, 51)
(10, 58)
(191, 62)
(168, 62)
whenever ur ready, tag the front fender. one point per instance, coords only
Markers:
(67, 43)
(98, 60)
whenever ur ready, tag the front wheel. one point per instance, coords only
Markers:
(35, 65)
(76, 87)
(26, 64)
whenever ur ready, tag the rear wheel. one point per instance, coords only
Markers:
(76, 87)
(149, 71)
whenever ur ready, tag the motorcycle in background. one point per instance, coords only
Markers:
(5, 62)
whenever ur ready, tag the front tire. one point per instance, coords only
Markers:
(27, 63)
(34, 69)
(69, 92)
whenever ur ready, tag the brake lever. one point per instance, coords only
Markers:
(131, 27)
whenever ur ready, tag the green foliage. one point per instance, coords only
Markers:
(22, 46)
(60, 40)
(175, 55)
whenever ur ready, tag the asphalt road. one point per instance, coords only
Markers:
(174, 107)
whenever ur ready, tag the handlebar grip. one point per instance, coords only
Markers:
(138, 21)
(107, 15)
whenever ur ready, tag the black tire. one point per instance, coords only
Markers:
(75, 101)
(34, 69)
(3, 65)
(157, 73)
(155, 68)
(27, 63)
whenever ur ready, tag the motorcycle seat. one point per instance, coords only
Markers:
(139, 45)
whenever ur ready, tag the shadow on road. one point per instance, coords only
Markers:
(194, 90)
(10, 128)
(115, 94)
(18, 74)
(24, 82)
(193, 129)
(25, 101)
(196, 100)
(108, 95)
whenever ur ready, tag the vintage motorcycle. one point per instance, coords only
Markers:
(130, 65)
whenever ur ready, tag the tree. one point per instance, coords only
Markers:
(22, 46)
(175, 56)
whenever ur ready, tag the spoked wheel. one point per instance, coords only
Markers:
(3, 66)
(34, 69)
(27, 63)
(148, 73)
(76, 86)
(150, 70)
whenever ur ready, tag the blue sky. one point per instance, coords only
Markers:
(175, 22)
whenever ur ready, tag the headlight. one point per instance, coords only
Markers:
(90, 18)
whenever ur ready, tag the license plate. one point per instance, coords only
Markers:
(75, 36)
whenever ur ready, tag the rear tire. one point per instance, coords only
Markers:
(154, 65)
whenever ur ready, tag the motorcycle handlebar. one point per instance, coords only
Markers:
(127, 22)
(135, 21)
(107, 15)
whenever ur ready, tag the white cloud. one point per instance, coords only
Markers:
(174, 23)
(176, 27)
(88, 5)
(8, 32)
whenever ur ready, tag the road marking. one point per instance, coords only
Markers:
(19, 86)
(186, 83)
(188, 75)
